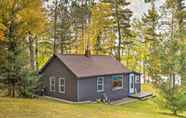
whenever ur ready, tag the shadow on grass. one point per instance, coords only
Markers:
(170, 114)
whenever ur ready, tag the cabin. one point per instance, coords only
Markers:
(81, 78)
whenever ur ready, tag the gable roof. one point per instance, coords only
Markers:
(83, 66)
(94, 65)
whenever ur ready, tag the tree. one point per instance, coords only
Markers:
(81, 15)
(176, 32)
(175, 102)
(99, 28)
(19, 18)
(136, 50)
(53, 14)
(65, 31)
(171, 95)
(121, 21)
(177, 9)
(2, 28)
(151, 41)
(33, 27)
(168, 55)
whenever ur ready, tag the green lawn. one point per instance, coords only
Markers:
(42, 108)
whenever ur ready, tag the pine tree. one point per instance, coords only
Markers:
(99, 28)
(65, 26)
(177, 30)
(151, 40)
(19, 19)
(171, 59)
(177, 8)
(81, 14)
(121, 21)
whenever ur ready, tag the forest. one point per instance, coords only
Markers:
(31, 31)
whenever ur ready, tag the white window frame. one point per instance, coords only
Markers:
(98, 84)
(52, 78)
(61, 85)
(118, 88)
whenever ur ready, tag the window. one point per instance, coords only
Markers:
(52, 83)
(137, 79)
(100, 84)
(117, 82)
(61, 85)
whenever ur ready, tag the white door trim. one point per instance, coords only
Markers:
(131, 83)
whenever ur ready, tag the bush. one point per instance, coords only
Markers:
(173, 99)
(177, 103)
(28, 84)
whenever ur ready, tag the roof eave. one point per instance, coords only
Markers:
(84, 77)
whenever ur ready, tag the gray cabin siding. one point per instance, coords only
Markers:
(82, 89)
(58, 69)
(87, 88)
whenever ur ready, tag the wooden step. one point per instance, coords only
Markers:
(141, 95)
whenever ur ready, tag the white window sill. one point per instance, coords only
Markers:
(118, 88)
(62, 92)
(100, 90)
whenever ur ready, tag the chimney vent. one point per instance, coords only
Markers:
(87, 52)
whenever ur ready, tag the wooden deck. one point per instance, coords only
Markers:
(123, 101)
(141, 95)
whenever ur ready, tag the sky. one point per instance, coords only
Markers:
(139, 7)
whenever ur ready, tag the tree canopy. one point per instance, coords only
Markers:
(33, 30)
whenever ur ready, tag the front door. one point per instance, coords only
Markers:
(131, 84)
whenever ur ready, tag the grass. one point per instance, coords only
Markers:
(43, 108)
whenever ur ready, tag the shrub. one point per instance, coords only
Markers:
(28, 84)
(173, 99)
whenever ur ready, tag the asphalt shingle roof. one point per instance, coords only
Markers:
(83, 66)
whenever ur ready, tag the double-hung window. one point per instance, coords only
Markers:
(61, 85)
(52, 83)
(100, 84)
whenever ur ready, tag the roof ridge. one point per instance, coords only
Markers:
(80, 55)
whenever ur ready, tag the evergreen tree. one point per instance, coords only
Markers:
(177, 9)
(99, 28)
(151, 41)
(65, 26)
(81, 14)
(121, 21)
(19, 19)
(169, 53)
